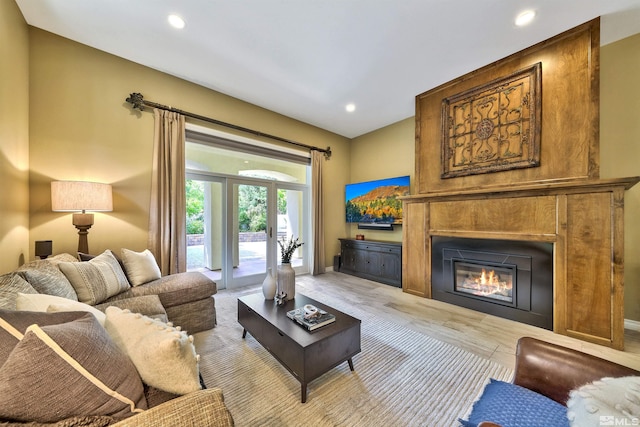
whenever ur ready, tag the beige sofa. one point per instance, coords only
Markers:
(185, 299)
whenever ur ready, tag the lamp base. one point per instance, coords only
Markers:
(83, 222)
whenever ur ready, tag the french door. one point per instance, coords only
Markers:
(243, 219)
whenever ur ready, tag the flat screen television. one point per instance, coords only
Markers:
(376, 202)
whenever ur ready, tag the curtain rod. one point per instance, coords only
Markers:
(138, 101)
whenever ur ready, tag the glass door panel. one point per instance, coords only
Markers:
(249, 237)
(233, 224)
(205, 228)
(291, 224)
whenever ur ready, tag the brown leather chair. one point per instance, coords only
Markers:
(554, 371)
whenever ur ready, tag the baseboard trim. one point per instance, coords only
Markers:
(633, 325)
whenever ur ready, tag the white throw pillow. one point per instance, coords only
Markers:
(50, 303)
(97, 279)
(141, 267)
(164, 356)
(608, 401)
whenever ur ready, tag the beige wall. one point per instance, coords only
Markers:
(14, 138)
(82, 128)
(620, 147)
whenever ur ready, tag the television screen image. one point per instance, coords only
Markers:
(376, 202)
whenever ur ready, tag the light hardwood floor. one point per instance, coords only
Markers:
(482, 334)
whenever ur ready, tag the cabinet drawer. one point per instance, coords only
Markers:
(249, 320)
(371, 246)
(283, 348)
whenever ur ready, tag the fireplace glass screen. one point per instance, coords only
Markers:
(484, 280)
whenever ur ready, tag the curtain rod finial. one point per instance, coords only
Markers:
(137, 101)
(327, 153)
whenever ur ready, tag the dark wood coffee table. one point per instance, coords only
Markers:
(307, 355)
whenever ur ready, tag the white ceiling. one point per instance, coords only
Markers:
(307, 59)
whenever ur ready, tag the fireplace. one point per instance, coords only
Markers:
(506, 278)
(493, 282)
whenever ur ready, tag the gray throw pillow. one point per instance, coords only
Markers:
(46, 278)
(97, 279)
(10, 285)
(12, 321)
(75, 368)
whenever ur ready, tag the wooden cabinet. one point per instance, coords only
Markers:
(373, 260)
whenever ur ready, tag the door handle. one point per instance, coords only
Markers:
(270, 232)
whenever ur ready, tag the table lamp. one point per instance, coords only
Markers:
(74, 196)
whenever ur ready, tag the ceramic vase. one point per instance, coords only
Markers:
(287, 280)
(269, 286)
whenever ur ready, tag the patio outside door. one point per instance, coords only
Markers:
(252, 217)
(242, 219)
(241, 199)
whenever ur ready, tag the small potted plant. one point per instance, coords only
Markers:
(288, 248)
(286, 274)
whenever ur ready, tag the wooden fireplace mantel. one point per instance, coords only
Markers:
(531, 189)
(584, 219)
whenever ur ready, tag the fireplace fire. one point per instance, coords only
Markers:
(511, 279)
(496, 283)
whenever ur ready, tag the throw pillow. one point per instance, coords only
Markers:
(75, 368)
(13, 325)
(510, 405)
(608, 401)
(164, 355)
(53, 304)
(141, 267)
(10, 285)
(97, 279)
(87, 257)
(46, 278)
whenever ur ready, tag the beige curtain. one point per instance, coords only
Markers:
(167, 213)
(317, 213)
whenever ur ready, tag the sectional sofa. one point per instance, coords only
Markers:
(123, 330)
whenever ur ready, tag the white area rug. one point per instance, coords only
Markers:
(401, 378)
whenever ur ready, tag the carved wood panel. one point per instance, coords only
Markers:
(493, 127)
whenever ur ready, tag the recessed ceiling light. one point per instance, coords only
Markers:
(176, 21)
(350, 108)
(525, 18)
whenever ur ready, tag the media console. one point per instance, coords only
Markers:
(372, 259)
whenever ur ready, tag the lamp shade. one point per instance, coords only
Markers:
(73, 196)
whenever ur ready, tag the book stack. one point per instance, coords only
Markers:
(309, 319)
